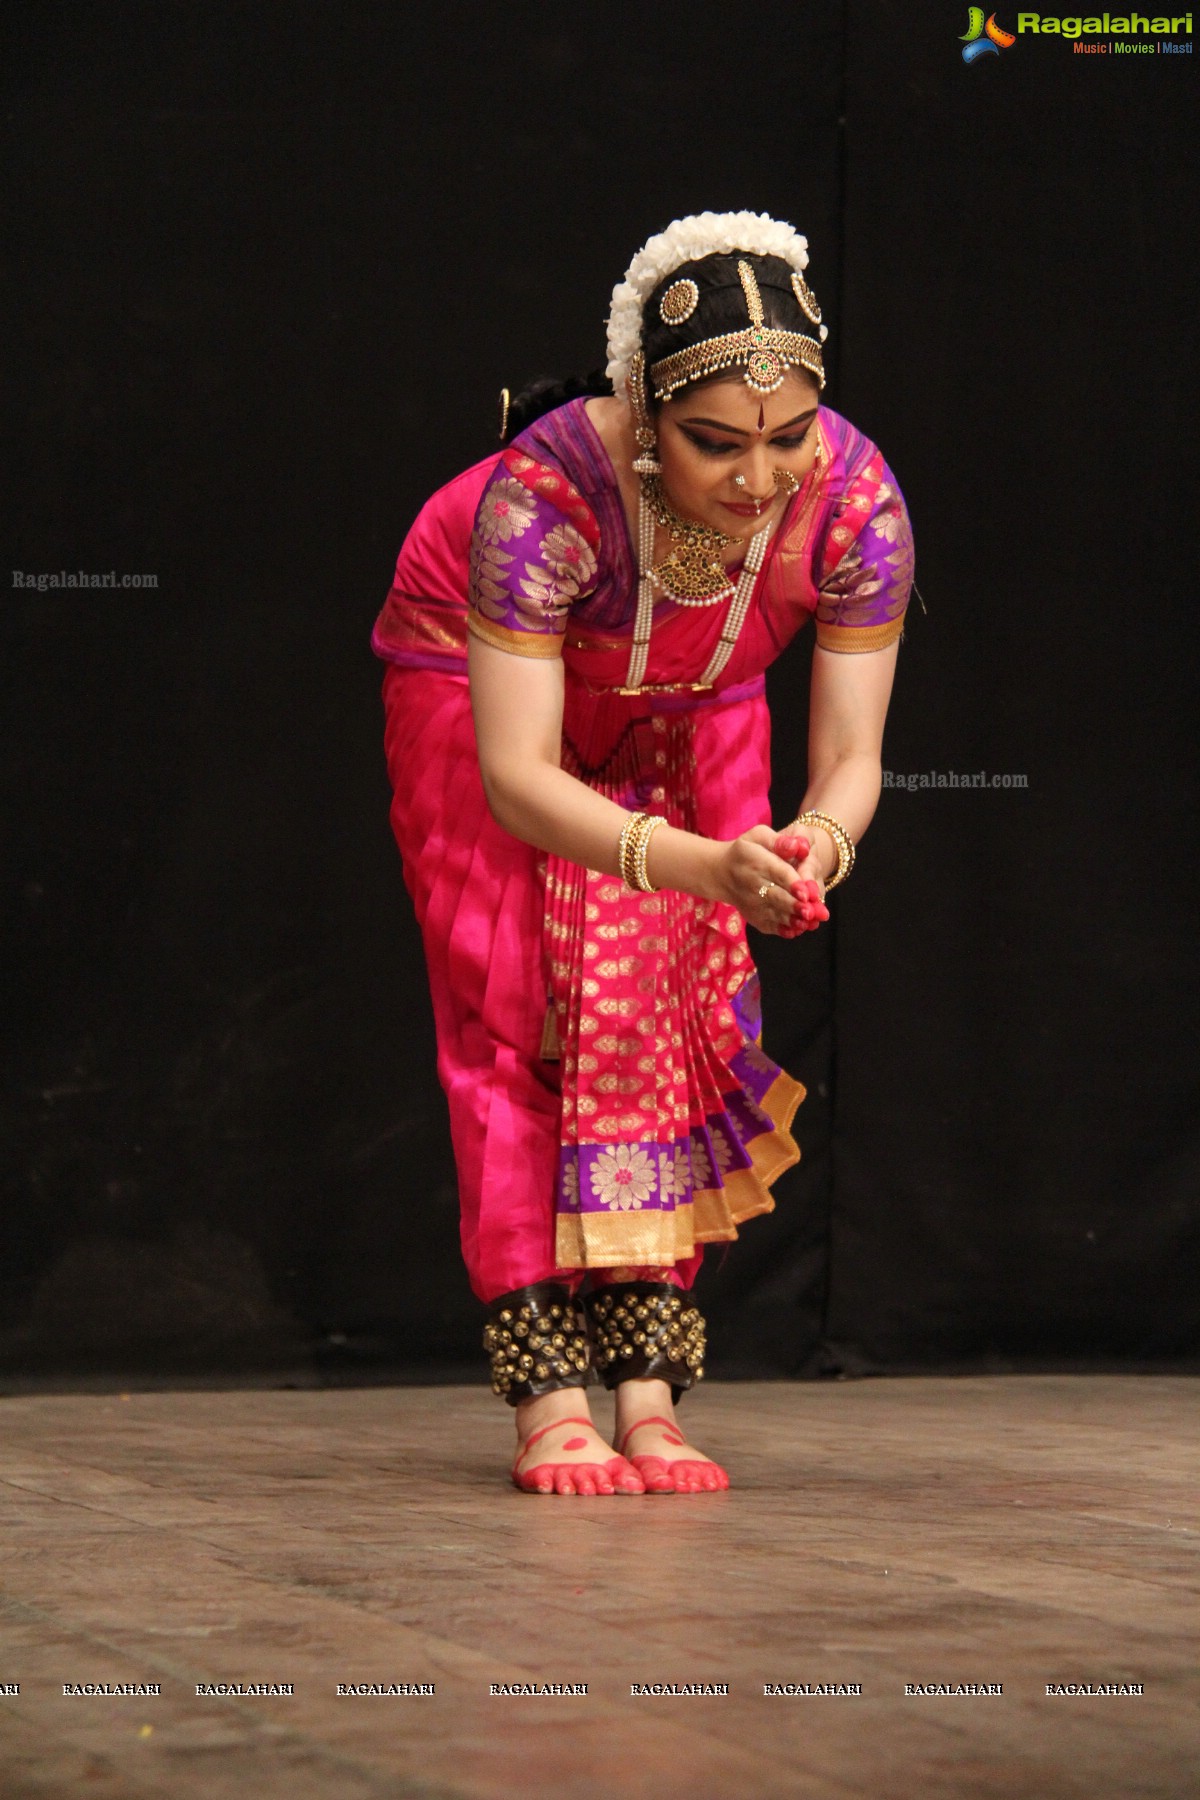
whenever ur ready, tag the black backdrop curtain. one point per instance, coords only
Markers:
(269, 266)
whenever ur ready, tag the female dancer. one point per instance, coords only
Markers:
(578, 744)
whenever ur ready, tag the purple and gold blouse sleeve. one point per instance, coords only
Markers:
(534, 552)
(864, 591)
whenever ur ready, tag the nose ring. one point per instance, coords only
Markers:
(739, 481)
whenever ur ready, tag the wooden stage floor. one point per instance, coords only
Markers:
(1016, 1532)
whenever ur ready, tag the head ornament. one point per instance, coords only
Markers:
(679, 302)
(765, 354)
(690, 240)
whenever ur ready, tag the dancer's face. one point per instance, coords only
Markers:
(714, 431)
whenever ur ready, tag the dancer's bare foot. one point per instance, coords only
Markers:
(648, 1435)
(559, 1450)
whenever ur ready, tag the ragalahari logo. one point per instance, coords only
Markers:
(983, 37)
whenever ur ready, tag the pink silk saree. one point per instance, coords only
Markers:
(611, 1105)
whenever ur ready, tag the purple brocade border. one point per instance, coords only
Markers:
(652, 1175)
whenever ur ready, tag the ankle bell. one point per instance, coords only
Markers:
(646, 1330)
(536, 1339)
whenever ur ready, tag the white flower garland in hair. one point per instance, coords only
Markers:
(687, 240)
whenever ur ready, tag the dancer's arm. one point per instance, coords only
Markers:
(518, 708)
(848, 706)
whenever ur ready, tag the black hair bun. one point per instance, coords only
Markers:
(545, 393)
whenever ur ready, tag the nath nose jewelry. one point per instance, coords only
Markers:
(739, 481)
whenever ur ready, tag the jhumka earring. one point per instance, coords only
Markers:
(647, 462)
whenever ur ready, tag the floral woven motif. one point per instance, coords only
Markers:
(533, 555)
(674, 1122)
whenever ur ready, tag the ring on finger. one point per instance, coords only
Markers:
(765, 889)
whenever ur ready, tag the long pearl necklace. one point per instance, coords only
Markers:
(735, 618)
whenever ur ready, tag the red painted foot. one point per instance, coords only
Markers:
(678, 1474)
(614, 1476)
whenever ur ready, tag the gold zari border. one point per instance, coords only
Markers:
(859, 637)
(517, 643)
(610, 1240)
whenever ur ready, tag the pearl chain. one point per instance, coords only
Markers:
(739, 602)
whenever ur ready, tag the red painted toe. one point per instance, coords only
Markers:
(617, 1476)
(656, 1474)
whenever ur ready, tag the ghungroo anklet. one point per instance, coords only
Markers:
(647, 1330)
(537, 1340)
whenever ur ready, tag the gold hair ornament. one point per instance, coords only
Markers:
(679, 302)
(765, 353)
(806, 300)
(505, 401)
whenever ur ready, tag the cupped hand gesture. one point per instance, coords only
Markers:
(796, 849)
(773, 880)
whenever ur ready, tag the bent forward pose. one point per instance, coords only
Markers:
(577, 738)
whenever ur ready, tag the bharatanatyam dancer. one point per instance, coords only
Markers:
(577, 738)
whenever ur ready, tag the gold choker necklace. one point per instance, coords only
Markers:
(692, 571)
(739, 599)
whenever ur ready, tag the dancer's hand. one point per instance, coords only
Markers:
(750, 864)
(811, 909)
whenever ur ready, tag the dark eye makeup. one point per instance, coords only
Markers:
(723, 447)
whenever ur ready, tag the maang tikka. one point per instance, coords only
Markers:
(764, 352)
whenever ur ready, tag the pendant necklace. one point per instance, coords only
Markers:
(691, 573)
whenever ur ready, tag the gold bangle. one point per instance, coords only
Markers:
(629, 831)
(636, 833)
(642, 880)
(843, 843)
(635, 845)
